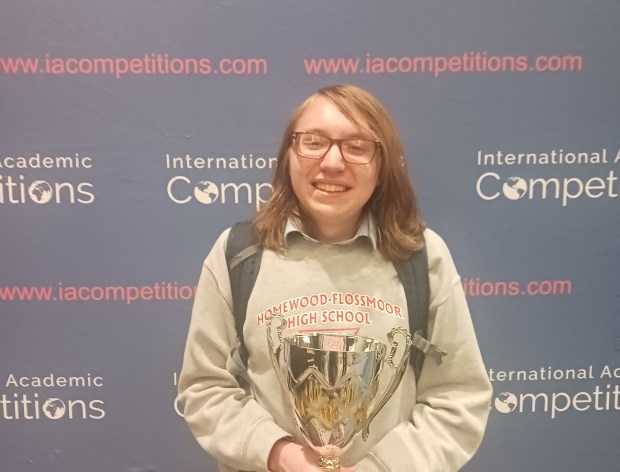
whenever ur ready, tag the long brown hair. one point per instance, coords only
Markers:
(393, 204)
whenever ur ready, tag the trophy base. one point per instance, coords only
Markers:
(329, 463)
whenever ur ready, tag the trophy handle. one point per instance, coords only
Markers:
(280, 330)
(399, 370)
(274, 351)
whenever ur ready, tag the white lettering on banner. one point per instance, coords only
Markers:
(552, 403)
(46, 162)
(30, 408)
(22, 189)
(553, 157)
(610, 373)
(54, 381)
(491, 185)
(599, 399)
(178, 405)
(180, 191)
(29, 405)
(549, 373)
(43, 191)
(242, 162)
(544, 373)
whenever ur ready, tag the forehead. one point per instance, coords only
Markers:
(322, 115)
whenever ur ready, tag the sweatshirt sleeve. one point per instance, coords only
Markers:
(224, 419)
(453, 398)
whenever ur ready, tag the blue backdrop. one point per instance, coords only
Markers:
(132, 133)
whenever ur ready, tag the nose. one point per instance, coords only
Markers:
(333, 160)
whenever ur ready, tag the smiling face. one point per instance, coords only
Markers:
(331, 192)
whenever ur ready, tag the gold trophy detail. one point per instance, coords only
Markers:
(331, 381)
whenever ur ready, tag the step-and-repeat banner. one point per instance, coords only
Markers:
(133, 133)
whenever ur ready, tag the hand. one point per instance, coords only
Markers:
(286, 456)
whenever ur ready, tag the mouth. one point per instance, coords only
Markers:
(330, 188)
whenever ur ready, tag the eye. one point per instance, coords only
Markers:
(357, 146)
(312, 141)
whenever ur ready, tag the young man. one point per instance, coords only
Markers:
(342, 211)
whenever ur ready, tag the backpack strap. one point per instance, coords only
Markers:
(413, 275)
(243, 256)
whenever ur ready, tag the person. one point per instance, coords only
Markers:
(342, 210)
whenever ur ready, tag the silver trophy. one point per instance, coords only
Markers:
(331, 381)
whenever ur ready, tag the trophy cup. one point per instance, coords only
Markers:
(331, 381)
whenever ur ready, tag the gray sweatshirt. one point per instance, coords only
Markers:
(434, 425)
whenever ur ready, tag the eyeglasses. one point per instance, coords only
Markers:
(353, 150)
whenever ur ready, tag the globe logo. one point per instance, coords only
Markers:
(514, 188)
(40, 191)
(54, 408)
(505, 402)
(206, 192)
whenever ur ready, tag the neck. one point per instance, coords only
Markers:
(332, 232)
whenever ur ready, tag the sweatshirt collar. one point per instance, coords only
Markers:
(366, 230)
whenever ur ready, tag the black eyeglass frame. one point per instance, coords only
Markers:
(333, 141)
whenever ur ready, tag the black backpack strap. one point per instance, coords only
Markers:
(243, 256)
(413, 274)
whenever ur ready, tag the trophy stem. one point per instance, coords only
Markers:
(329, 463)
